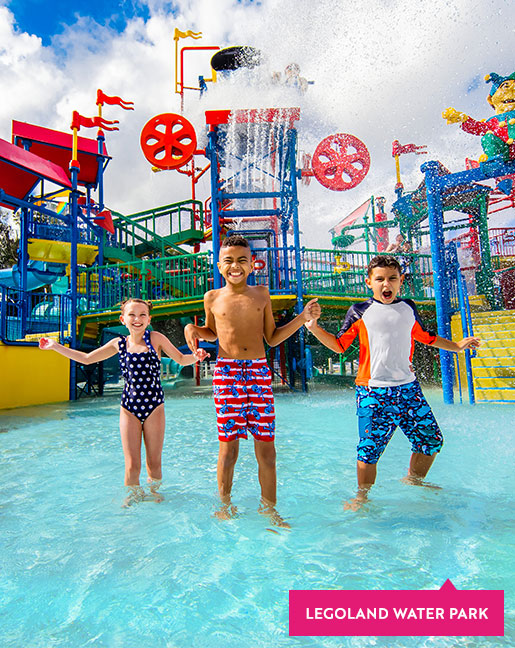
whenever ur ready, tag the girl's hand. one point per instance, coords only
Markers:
(47, 344)
(201, 354)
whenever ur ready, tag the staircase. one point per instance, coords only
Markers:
(493, 368)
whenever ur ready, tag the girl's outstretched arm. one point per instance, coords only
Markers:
(107, 351)
(162, 343)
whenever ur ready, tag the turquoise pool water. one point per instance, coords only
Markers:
(78, 570)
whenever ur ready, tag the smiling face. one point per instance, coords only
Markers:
(135, 316)
(503, 98)
(385, 283)
(235, 264)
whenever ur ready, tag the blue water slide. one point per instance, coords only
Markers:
(39, 273)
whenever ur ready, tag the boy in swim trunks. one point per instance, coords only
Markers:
(387, 392)
(240, 316)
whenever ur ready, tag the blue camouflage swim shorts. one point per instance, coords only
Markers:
(381, 409)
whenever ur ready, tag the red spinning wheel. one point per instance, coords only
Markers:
(340, 162)
(168, 141)
(259, 264)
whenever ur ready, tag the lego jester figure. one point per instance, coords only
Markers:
(498, 132)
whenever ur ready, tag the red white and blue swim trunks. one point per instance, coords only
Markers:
(244, 399)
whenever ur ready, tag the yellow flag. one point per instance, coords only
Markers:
(180, 34)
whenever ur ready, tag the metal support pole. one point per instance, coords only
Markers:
(462, 296)
(435, 217)
(292, 143)
(74, 171)
(215, 203)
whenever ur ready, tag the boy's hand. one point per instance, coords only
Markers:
(46, 344)
(469, 342)
(191, 335)
(312, 310)
(310, 324)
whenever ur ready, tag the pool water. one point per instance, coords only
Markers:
(79, 570)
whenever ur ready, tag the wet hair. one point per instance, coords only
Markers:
(235, 240)
(383, 261)
(136, 300)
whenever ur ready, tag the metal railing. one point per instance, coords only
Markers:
(25, 313)
(58, 228)
(275, 269)
(172, 219)
(324, 272)
(502, 241)
(164, 279)
(459, 303)
(337, 272)
(160, 228)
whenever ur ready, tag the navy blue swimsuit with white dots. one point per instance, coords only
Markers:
(142, 392)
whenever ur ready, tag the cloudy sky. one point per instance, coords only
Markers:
(382, 70)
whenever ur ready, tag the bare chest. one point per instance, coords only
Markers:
(239, 311)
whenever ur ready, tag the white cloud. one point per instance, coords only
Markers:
(382, 71)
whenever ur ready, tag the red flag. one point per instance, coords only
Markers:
(471, 164)
(398, 149)
(105, 220)
(113, 101)
(92, 122)
(351, 218)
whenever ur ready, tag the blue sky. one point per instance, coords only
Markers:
(46, 18)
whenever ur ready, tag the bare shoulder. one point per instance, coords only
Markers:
(261, 294)
(210, 296)
(157, 338)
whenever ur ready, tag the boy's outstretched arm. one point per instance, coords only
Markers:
(207, 332)
(449, 345)
(275, 336)
(327, 339)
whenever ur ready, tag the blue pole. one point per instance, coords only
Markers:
(23, 267)
(215, 197)
(435, 217)
(294, 202)
(74, 171)
(100, 175)
(463, 298)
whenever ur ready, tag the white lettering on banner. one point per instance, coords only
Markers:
(346, 613)
(468, 613)
(419, 613)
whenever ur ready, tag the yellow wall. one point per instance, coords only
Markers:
(29, 376)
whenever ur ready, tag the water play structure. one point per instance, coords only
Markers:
(77, 263)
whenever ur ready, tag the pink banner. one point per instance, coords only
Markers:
(446, 612)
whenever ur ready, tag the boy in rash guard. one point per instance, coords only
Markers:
(387, 392)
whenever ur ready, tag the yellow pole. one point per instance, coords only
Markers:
(75, 141)
(398, 169)
(176, 39)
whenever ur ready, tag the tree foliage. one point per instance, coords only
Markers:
(8, 242)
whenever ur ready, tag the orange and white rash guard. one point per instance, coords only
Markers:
(387, 334)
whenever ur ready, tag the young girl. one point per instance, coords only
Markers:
(142, 407)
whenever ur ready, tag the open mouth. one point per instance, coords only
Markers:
(387, 294)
